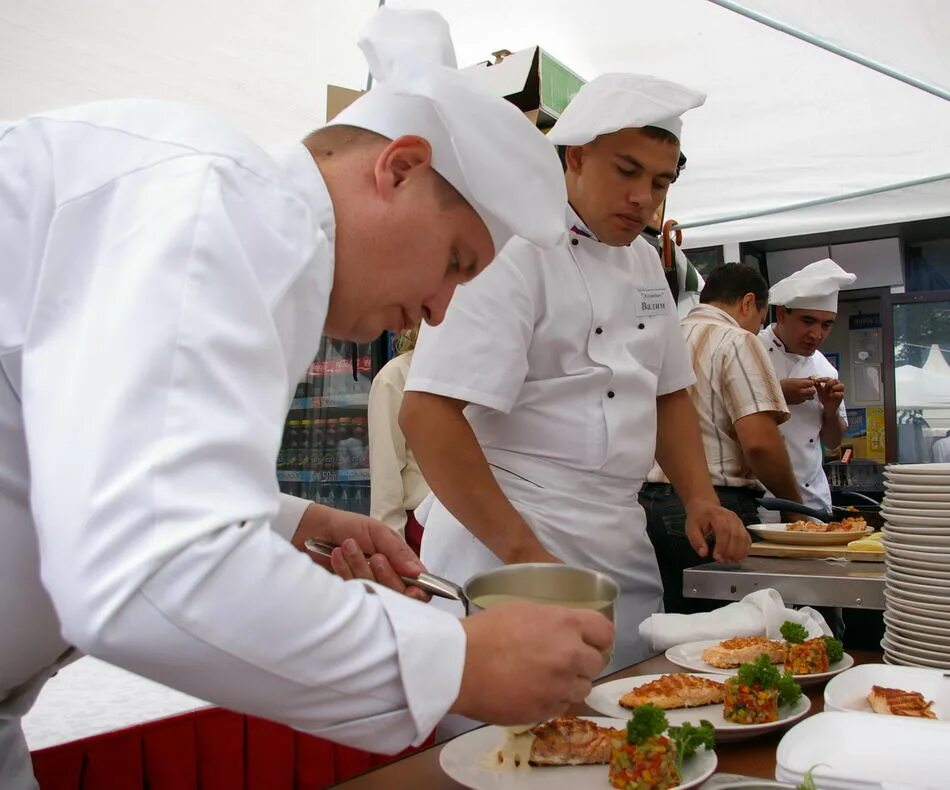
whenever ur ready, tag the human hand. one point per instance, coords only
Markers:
(706, 519)
(798, 390)
(527, 662)
(367, 549)
(830, 393)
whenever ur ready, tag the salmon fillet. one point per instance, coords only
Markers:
(675, 691)
(742, 650)
(568, 740)
(898, 702)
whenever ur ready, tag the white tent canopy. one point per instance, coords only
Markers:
(785, 123)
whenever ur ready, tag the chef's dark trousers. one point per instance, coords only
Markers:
(666, 526)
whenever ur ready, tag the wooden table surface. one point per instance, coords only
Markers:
(755, 757)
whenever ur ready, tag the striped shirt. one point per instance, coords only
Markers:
(734, 378)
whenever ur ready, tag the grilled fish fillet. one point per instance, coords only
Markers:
(675, 691)
(568, 740)
(900, 703)
(743, 649)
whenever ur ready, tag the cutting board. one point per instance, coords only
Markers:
(764, 549)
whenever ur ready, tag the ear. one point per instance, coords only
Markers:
(780, 313)
(404, 159)
(574, 157)
(749, 305)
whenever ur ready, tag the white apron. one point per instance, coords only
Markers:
(585, 519)
(802, 430)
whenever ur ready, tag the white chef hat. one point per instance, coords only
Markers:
(481, 144)
(813, 288)
(612, 102)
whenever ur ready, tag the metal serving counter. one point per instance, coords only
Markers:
(809, 582)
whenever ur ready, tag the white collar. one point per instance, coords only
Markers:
(301, 171)
(576, 225)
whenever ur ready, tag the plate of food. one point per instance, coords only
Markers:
(811, 533)
(570, 752)
(809, 660)
(893, 690)
(688, 697)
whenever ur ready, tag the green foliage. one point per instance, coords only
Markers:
(793, 632)
(688, 738)
(835, 649)
(763, 674)
(645, 722)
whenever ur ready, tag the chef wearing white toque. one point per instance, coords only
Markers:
(807, 305)
(534, 409)
(163, 285)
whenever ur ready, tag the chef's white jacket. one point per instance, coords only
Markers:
(802, 430)
(561, 355)
(163, 285)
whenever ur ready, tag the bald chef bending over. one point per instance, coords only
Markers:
(163, 285)
(534, 408)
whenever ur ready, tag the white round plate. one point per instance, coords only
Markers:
(934, 480)
(926, 556)
(931, 541)
(461, 758)
(893, 487)
(910, 511)
(937, 585)
(918, 573)
(914, 521)
(901, 608)
(926, 499)
(898, 658)
(689, 655)
(928, 641)
(909, 598)
(924, 533)
(918, 469)
(902, 625)
(915, 619)
(917, 653)
(848, 691)
(605, 699)
(778, 533)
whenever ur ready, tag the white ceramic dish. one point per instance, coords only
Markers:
(930, 557)
(918, 469)
(915, 542)
(936, 657)
(921, 499)
(853, 750)
(913, 521)
(917, 532)
(900, 593)
(936, 584)
(849, 690)
(912, 488)
(689, 655)
(461, 758)
(934, 480)
(896, 656)
(915, 610)
(920, 622)
(907, 635)
(604, 699)
(917, 570)
(778, 533)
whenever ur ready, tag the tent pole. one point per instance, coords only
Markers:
(775, 24)
(702, 223)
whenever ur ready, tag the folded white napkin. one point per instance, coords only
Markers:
(759, 613)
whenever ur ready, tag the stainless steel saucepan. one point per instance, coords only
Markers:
(538, 582)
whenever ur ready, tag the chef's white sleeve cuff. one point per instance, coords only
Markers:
(288, 517)
(430, 645)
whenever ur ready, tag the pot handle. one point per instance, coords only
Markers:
(434, 585)
(770, 503)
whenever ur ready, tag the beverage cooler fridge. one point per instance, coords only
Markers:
(324, 454)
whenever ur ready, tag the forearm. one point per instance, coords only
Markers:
(456, 469)
(772, 468)
(679, 448)
(832, 431)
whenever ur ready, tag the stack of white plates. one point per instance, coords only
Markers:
(917, 578)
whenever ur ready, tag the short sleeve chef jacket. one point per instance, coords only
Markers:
(562, 353)
(163, 284)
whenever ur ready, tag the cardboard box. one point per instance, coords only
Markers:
(535, 82)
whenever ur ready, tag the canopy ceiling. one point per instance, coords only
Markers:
(786, 122)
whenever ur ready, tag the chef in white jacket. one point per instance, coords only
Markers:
(163, 285)
(535, 408)
(806, 307)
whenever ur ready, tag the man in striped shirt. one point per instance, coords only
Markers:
(740, 405)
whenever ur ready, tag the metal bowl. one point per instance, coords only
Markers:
(542, 582)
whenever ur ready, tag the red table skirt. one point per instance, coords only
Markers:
(206, 749)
